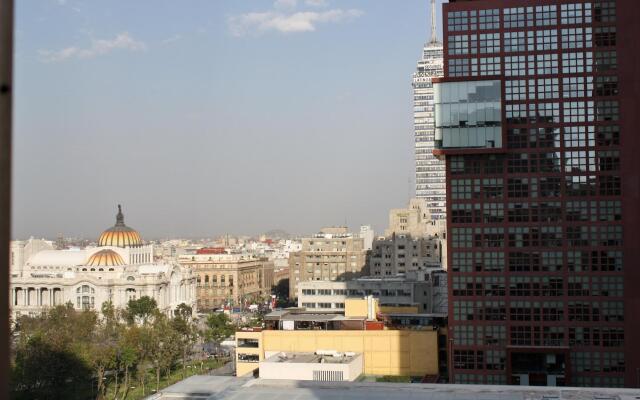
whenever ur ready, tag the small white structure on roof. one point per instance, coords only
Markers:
(323, 365)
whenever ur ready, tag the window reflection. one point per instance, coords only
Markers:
(468, 114)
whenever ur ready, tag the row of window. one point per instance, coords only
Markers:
(572, 112)
(543, 187)
(574, 211)
(539, 64)
(537, 236)
(537, 261)
(540, 40)
(577, 286)
(539, 16)
(555, 88)
(578, 311)
(569, 136)
(495, 335)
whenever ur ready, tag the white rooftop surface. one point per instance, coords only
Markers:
(58, 258)
(203, 387)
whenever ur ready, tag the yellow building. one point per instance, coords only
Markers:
(386, 352)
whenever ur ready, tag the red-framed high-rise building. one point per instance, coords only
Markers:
(537, 118)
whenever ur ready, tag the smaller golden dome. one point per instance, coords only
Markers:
(105, 258)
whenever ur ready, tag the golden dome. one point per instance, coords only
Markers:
(120, 235)
(105, 258)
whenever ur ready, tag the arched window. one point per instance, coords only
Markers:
(85, 298)
(130, 294)
(131, 278)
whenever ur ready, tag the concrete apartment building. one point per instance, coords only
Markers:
(412, 241)
(399, 254)
(229, 279)
(333, 254)
(415, 220)
(537, 119)
(418, 292)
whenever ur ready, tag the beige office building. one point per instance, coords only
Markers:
(332, 254)
(415, 220)
(229, 279)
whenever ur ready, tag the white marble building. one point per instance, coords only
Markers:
(119, 269)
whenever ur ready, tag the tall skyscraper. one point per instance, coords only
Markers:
(537, 119)
(430, 174)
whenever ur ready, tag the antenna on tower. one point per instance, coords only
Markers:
(434, 28)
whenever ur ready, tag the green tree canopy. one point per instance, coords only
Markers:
(219, 327)
(144, 308)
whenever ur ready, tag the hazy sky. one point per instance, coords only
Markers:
(205, 117)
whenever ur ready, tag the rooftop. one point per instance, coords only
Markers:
(311, 358)
(231, 388)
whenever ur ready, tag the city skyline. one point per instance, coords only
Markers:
(225, 117)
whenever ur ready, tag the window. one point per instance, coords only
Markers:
(579, 161)
(545, 113)
(516, 90)
(462, 262)
(458, 67)
(604, 11)
(608, 135)
(546, 15)
(605, 36)
(461, 21)
(546, 64)
(489, 43)
(608, 160)
(547, 40)
(576, 13)
(489, 19)
(577, 86)
(489, 66)
(515, 66)
(577, 63)
(462, 237)
(606, 60)
(607, 110)
(579, 136)
(578, 111)
(518, 17)
(580, 185)
(459, 44)
(514, 42)
(516, 113)
(548, 88)
(576, 38)
(606, 85)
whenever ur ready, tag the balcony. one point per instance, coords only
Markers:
(468, 115)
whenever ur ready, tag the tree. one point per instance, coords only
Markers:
(50, 356)
(219, 327)
(183, 311)
(42, 371)
(186, 330)
(143, 308)
(165, 349)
